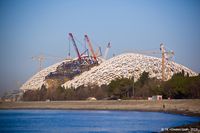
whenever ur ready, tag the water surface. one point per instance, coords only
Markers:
(77, 121)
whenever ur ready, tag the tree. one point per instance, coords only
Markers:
(143, 78)
(59, 93)
(42, 93)
(182, 86)
(120, 88)
(31, 95)
(141, 85)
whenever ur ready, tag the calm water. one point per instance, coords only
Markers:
(76, 121)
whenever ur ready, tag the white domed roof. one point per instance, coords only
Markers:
(125, 65)
(38, 79)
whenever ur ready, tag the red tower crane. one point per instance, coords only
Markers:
(75, 47)
(91, 48)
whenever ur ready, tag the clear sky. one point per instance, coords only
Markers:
(32, 27)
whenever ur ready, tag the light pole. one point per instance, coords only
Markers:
(133, 86)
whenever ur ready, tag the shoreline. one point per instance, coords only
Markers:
(183, 107)
(190, 107)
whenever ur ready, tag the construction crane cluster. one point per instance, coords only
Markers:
(89, 54)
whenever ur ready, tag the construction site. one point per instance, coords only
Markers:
(72, 67)
(93, 67)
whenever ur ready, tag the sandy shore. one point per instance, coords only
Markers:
(187, 107)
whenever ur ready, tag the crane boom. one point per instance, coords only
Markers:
(91, 48)
(75, 46)
(107, 49)
(98, 52)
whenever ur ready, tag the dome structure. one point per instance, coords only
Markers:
(126, 65)
(37, 80)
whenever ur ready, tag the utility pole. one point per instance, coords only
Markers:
(133, 89)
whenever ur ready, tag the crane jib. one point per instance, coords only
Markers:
(91, 48)
(75, 46)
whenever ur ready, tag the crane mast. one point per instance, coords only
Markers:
(75, 46)
(169, 56)
(163, 60)
(40, 59)
(91, 48)
(166, 56)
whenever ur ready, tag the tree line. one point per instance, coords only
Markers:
(180, 86)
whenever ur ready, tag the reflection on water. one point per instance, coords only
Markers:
(77, 121)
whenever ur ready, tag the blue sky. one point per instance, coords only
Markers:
(32, 27)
